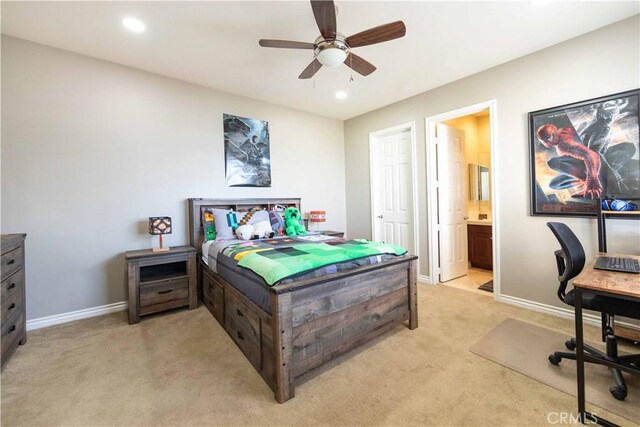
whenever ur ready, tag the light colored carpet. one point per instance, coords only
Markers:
(525, 348)
(181, 368)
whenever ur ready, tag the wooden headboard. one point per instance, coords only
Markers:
(197, 206)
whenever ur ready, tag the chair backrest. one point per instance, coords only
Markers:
(570, 258)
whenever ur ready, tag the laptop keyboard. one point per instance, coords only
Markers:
(626, 264)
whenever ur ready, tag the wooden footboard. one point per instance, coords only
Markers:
(316, 320)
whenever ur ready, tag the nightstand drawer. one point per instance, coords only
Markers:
(12, 283)
(166, 290)
(244, 327)
(11, 261)
(11, 307)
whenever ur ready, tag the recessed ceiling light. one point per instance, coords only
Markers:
(133, 24)
(341, 94)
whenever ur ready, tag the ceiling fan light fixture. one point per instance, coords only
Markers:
(331, 57)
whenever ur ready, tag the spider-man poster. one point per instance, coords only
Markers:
(582, 152)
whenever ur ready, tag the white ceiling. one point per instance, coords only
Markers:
(215, 44)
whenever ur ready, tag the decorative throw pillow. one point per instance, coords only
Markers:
(277, 221)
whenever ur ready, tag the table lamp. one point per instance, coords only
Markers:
(317, 217)
(160, 225)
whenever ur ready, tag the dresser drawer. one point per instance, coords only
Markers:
(11, 307)
(12, 332)
(11, 261)
(213, 297)
(164, 291)
(244, 327)
(12, 283)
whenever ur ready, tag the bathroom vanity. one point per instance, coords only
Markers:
(480, 244)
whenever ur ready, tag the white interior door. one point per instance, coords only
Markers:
(392, 192)
(452, 196)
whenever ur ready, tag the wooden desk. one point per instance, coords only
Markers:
(611, 284)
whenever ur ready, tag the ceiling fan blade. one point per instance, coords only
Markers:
(325, 14)
(286, 44)
(359, 65)
(380, 34)
(310, 70)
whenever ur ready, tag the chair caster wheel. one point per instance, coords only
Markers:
(555, 360)
(618, 392)
(570, 344)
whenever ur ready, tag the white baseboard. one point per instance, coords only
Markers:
(71, 316)
(566, 313)
(424, 279)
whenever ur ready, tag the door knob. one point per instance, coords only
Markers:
(380, 216)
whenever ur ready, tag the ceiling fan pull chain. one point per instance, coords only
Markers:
(351, 66)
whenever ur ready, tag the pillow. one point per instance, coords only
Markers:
(277, 221)
(227, 221)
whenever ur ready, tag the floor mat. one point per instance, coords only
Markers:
(487, 286)
(524, 348)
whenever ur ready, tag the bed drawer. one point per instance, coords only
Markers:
(12, 283)
(164, 291)
(244, 327)
(11, 261)
(213, 297)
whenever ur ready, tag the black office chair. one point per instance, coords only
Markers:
(570, 259)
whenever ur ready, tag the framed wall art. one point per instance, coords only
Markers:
(582, 152)
(246, 152)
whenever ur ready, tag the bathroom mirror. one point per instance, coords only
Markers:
(478, 182)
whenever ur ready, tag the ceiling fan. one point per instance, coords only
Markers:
(332, 49)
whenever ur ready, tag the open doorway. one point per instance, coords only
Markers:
(462, 199)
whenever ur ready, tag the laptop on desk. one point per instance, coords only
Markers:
(620, 264)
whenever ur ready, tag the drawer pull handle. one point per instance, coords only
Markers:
(11, 286)
(12, 328)
(240, 336)
(239, 313)
(12, 306)
(11, 261)
(165, 292)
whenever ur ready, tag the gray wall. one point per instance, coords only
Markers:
(90, 149)
(603, 62)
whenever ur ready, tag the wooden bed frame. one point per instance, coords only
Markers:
(312, 321)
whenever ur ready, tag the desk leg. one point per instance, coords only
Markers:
(579, 353)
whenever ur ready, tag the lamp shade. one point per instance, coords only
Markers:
(317, 216)
(159, 225)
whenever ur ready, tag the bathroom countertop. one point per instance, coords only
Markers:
(479, 222)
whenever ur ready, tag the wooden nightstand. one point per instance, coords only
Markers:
(332, 233)
(160, 281)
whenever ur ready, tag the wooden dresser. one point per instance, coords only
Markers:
(14, 321)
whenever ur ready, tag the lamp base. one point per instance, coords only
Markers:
(159, 249)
